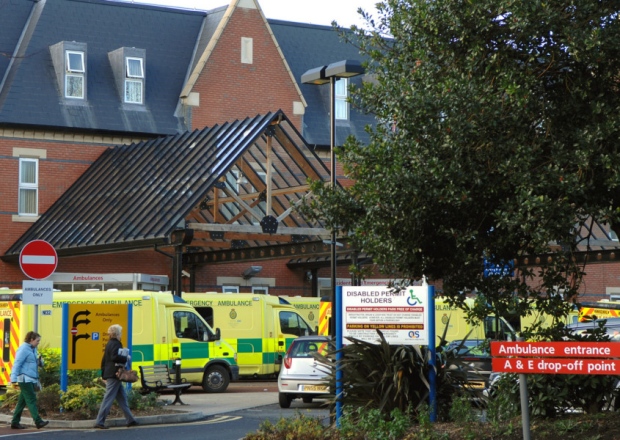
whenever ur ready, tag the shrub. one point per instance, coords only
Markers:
(84, 401)
(48, 399)
(386, 377)
(300, 426)
(49, 374)
(139, 401)
(372, 424)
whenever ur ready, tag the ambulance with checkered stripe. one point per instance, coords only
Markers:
(308, 307)
(259, 327)
(166, 329)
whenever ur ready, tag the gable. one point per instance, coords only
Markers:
(242, 71)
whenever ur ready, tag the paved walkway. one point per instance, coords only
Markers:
(198, 405)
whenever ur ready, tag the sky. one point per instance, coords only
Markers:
(321, 12)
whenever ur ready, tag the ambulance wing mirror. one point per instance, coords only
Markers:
(214, 337)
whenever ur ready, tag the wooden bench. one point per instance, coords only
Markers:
(156, 378)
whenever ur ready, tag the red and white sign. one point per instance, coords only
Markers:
(556, 366)
(555, 349)
(38, 259)
(549, 357)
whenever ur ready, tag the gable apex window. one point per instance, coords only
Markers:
(69, 60)
(247, 50)
(128, 66)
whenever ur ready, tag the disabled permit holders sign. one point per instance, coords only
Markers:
(402, 315)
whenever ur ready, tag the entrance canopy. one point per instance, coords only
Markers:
(229, 187)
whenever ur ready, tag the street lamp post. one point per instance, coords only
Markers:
(318, 76)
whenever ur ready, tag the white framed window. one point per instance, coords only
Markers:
(134, 80)
(75, 61)
(260, 290)
(135, 68)
(28, 199)
(230, 289)
(340, 99)
(74, 75)
(74, 86)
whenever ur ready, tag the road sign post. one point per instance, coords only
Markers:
(38, 259)
(566, 357)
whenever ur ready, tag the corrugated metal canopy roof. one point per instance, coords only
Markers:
(219, 182)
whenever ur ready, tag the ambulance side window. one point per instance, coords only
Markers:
(187, 325)
(293, 324)
(207, 314)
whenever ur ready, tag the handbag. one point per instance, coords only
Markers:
(125, 375)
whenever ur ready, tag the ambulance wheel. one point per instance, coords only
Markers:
(307, 399)
(215, 380)
(285, 400)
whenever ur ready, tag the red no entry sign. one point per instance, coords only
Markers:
(38, 259)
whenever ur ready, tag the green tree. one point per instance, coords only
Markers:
(498, 136)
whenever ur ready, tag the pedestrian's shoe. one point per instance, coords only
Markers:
(134, 423)
(100, 427)
(42, 424)
(17, 426)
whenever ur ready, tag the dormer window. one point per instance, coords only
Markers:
(134, 81)
(74, 76)
(70, 60)
(129, 69)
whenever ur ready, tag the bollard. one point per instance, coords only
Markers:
(177, 369)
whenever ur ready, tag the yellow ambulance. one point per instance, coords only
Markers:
(165, 329)
(604, 309)
(259, 327)
(458, 327)
(308, 307)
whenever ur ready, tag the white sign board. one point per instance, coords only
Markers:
(401, 315)
(37, 292)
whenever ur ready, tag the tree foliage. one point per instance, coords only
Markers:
(498, 136)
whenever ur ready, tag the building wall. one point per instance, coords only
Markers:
(64, 162)
(232, 90)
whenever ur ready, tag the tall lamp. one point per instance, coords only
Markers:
(323, 75)
(318, 76)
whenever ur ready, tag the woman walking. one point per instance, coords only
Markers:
(25, 373)
(110, 363)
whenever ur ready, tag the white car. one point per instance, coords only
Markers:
(302, 375)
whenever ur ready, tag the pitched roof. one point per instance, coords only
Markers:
(305, 47)
(29, 94)
(218, 182)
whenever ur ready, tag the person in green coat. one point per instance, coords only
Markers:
(25, 374)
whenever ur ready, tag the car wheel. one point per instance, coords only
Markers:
(284, 400)
(215, 380)
(307, 399)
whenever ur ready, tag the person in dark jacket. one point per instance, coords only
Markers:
(110, 364)
(25, 372)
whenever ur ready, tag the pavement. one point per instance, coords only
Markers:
(198, 406)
